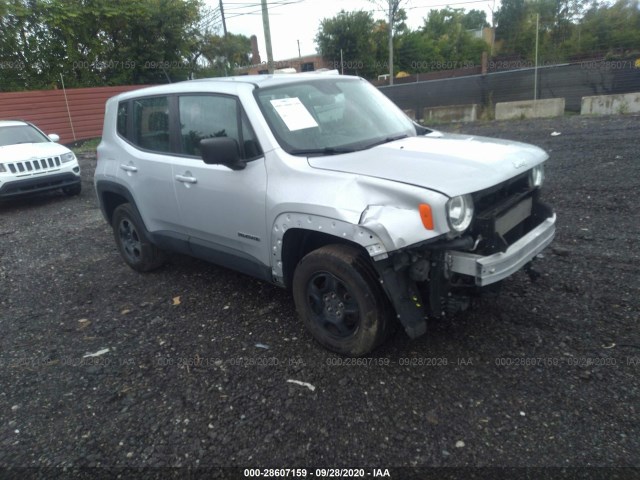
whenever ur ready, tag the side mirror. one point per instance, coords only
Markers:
(222, 151)
(53, 137)
(421, 130)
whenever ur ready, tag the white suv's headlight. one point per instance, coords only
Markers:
(460, 212)
(536, 176)
(67, 157)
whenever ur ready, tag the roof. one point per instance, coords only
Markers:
(229, 85)
(262, 81)
(12, 123)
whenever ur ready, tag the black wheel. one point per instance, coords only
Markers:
(135, 248)
(73, 190)
(341, 302)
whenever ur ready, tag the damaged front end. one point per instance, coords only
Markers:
(438, 277)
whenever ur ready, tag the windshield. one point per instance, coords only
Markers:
(20, 134)
(332, 115)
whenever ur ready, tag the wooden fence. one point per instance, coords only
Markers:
(47, 109)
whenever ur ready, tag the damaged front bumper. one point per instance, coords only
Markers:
(438, 278)
(493, 268)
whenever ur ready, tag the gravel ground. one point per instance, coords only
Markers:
(544, 376)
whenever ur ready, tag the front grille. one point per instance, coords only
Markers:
(505, 213)
(489, 198)
(34, 166)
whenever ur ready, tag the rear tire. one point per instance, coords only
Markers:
(134, 246)
(340, 300)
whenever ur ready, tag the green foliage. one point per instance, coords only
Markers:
(353, 34)
(474, 20)
(610, 27)
(226, 53)
(85, 146)
(454, 42)
(567, 27)
(108, 42)
(444, 40)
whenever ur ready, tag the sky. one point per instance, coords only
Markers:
(291, 21)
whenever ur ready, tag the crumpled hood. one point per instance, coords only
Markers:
(25, 151)
(448, 163)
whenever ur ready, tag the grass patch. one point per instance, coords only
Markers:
(85, 146)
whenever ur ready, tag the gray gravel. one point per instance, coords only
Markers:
(200, 359)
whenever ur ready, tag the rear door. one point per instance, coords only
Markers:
(145, 160)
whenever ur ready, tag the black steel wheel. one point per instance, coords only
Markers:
(133, 244)
(340, 300)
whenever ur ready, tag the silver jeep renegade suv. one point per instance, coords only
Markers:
(319, 183)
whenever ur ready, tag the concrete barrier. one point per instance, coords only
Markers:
(610, 104)
(549, 107)
(451, 113)
(410, 113)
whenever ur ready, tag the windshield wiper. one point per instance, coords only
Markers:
(340, 150)
(321, 151)
(388, 140)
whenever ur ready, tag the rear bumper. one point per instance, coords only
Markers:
(38, 184)
(493, 268)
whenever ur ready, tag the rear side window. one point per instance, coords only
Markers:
(209, 116)
(151, 124)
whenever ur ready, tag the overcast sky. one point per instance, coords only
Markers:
(293, 20)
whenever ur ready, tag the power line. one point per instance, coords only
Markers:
(272, 5)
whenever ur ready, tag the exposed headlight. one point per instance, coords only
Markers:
(460, 212)
(536, 176)
(67, 157)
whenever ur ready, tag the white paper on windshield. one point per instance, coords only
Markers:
(294, 114)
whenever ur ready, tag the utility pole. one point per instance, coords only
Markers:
(394, 7)
(535, 78)
(391, 15)
(267, 35)
(224, 22)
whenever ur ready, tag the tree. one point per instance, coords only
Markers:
(225, 53)
(567, 27)
(447, 28)
(346, 41)
(509, 19)
(474, 20)
(97, 42)
(611, 27)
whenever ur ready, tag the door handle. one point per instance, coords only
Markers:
(128, 168)
(185, 179)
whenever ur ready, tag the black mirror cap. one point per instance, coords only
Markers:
(222, 151)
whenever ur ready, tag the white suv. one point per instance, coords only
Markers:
(32, 162)
(319, 183)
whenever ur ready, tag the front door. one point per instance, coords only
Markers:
(222, 210)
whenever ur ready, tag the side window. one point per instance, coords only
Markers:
(123, 118)
(209, 116)
(151, 123)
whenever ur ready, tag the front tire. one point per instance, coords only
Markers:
(134, 246)
(340, 300)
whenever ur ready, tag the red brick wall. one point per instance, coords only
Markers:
(47, 110)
